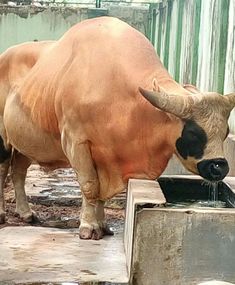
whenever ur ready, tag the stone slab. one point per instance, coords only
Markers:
(46, 255)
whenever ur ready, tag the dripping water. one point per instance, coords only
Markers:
(213, 193)
(212, 200)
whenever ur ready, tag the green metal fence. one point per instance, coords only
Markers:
(182, 27)
(195, 40)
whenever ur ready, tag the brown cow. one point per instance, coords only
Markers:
(81, 105)
(15, 63)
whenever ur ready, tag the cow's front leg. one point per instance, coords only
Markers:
(89, 183)
(89, 226)
(93, 224)
(20, 164)
(101, 218)
(80, 159)
(4, 166)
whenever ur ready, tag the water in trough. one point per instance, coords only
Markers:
(195, 193)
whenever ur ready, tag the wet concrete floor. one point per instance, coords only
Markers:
(40, 255)
(50, 252)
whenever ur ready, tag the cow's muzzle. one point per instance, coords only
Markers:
(213, 169)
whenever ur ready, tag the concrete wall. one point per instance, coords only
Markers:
(20, 24)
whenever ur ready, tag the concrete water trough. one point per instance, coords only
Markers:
(185, 243)
(160, 245)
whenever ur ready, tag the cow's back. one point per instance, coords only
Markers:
(95, 62)
(15, 63)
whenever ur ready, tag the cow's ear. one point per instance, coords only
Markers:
(179, 105)
(231, 99)
(155, 85)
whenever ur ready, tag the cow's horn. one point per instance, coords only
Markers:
(179, 105)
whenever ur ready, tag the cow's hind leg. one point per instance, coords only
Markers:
(5, 156)
(20, 164)
(4, 166)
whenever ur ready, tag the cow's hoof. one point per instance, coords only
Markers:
(28, 217)
(2, 217)
(90, 233)
(107, 230)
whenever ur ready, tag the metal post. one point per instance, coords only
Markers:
(167, 35)
(197, 23)
(153, 30)
(98, 4)
(178, 38)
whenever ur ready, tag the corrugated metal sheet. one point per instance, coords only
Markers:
(229, 82)
(201, 43)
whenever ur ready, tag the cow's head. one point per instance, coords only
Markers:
(204, 129)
